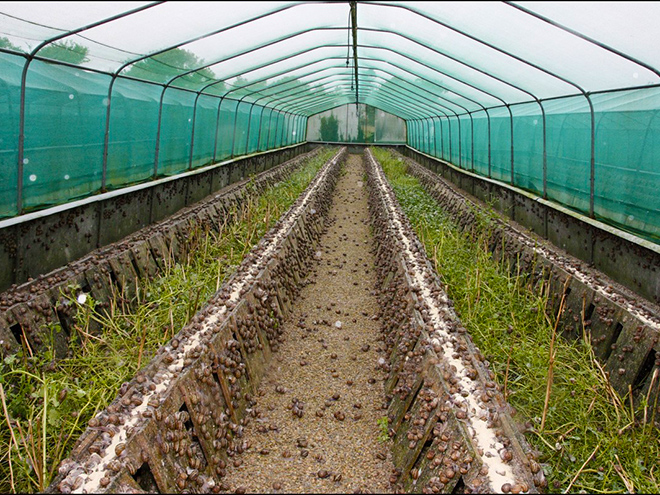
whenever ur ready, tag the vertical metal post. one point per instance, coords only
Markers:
(21, 138)
(270, 119)
(508, 107)
(435, 139)
(192, 132)
(284, 127)
(233, 137)
(592, 171)
(106, 136)
(442, 139)
(545, 154)
(460, 144)
(472, 135)
(450, 139)
(261, 118)
(304, 122)
(280, 113)
(160, 119)
(217, 129)
(247, 138)
(490, 171)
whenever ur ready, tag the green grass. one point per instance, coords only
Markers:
(47, 403)
(507, 321)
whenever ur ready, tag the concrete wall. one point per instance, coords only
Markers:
(37, 243)
(629, 260)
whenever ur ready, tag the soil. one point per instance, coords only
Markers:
(321, 398)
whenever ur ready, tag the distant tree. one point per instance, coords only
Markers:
(242, 86)
(5, 43)
(65, 51)
(329, 129)
(164, 66)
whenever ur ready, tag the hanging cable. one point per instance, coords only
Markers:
(355, 60)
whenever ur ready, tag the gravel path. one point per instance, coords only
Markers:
(321, 398)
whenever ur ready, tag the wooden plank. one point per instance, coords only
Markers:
(122, 267)
(160, 251)
(144, 260)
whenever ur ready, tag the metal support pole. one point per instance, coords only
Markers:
(217, 129)
(247, 138)
(158, 129)
(508, 107)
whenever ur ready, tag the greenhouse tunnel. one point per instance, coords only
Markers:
(133, 133)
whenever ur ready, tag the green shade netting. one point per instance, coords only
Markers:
(557, 98)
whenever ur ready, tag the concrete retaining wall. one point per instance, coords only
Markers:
(37, 243)
(627, 259)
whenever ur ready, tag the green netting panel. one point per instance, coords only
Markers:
(528, 142)
(206, 117)
(297, 132)
(445, 141)
(466, 141)
(411, 133)
(240, 137)
(132, 133)
(286, 133)
(64, 134)
(282, 131)
(225, 135)
(627, 178)
(274, 122)
(568, 129)
(175, 132)
(500, 144)
(10, 96)
(456, 135)
(481, 142)
(264, 125)
(255, 117)
(271, 131)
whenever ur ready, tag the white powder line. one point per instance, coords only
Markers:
(498, 471)
(589, 281)
(91, 482)
(574, 271)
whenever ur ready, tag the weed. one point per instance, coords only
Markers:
(384, 427)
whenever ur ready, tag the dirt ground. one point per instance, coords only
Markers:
(322, 396)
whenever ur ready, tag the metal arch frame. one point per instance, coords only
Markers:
(305, 90)
(328, 68)
(396, 93)
(407, 112)
(408, 82)
(448, 119)
(384, 88)
(383, 61)
(165, 87)
(168, 84)
(582, 91)
(32, 56)
(263, 107)
(377, 107)
(584, 37)
(505, 104)
(117, 73)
